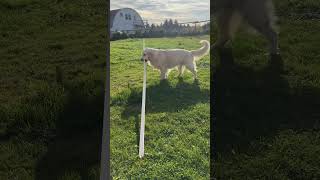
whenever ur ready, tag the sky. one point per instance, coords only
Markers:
(156, 11)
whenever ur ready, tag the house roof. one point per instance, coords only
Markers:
(112, 15)
(114, 12)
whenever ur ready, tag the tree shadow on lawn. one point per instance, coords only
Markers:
(251, 104)
(76, 147)
(161, 97)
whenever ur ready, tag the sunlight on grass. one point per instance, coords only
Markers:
(177, 115)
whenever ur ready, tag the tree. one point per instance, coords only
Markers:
(176, 24)
(165, 24)
(147, 26)
(153, 27)
(170, 23)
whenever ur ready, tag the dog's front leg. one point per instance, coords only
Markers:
(163, 74)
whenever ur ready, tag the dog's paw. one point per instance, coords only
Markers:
(196, 82)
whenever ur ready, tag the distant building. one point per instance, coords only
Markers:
(126, 20)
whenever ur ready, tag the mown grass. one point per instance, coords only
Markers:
(267, 117)
(267, 122)
(294, 7)
(50, 129)
(177, 115)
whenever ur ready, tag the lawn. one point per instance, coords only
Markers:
(267, 121)
(177, 114)
(267, 115)
(51, 129)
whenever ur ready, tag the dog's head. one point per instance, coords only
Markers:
(147, 55)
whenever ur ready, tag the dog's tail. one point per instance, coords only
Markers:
(204, 50)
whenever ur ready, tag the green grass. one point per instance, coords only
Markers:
(267, 120)
(294, 7)
(266, 124)
(177, 115)
(51, 130)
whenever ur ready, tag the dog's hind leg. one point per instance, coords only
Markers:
(261, 18)
(272, 37)
(167, 74)
(227, 22)
(181, 70)
(267, 30)
(192, 67)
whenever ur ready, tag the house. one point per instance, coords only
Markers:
(125, 20)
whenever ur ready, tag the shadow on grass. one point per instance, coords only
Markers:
(161, 97)
(75, 149)
(251, 104)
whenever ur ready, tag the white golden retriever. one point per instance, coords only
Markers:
(167, 59)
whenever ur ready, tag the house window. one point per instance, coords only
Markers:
(129, 17)
(126, 16)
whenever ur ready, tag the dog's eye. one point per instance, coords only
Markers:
(144, 54)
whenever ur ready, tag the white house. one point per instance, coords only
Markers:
(125, 20)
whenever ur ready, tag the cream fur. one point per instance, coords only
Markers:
(168, 59)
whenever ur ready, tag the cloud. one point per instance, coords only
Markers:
(156, 11)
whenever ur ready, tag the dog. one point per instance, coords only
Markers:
(167, 59)
(257, 13)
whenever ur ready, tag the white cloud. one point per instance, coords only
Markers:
(156, 11)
